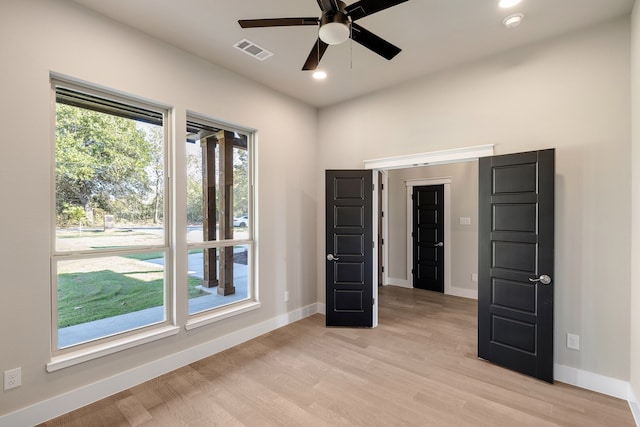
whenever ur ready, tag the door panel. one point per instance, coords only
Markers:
(516, 247)
(349, 245)
(428, 234)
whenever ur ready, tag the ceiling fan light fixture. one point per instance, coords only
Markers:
(505, 4)
(334, 28)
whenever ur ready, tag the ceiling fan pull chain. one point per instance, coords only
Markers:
(318, 44)
(351, 46)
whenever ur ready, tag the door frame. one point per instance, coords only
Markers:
(456, 155)
(410, 184)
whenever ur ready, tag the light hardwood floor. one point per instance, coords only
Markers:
(418, 368)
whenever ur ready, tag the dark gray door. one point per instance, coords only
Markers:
(428, 237)
(349, 251)
(516, 251)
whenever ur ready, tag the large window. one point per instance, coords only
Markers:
(219, 214)
(113, 262)
(111, 246)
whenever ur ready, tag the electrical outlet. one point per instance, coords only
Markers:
(286, 296)
(12, 378)
(573, 341)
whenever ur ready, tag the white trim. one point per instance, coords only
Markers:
(374, 237)
(634, 406)
(446, 181)
(402, 283)
(63, 403)
(218, 315)
(322, 308)
(591, 381)
(385, 226)
(103, 349)
(431, 158)
(463, 292)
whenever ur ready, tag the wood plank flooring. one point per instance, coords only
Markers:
(418, 368)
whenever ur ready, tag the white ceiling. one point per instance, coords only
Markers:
(433, 35)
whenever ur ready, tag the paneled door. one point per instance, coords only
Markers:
(349, 248)
(516, 260)
(428, 237)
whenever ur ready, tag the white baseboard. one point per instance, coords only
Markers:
(462, 292)
(402, 283)
(594, 382)
(61, 404)
(322, 308)
(458, 292)
(634, 405)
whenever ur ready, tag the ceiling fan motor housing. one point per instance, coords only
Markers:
(335, 26)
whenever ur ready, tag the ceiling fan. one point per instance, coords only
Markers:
(337, 24)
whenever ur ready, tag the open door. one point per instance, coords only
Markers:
(349, 248)
(515, 262)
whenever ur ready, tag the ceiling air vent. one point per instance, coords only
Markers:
(253, 49)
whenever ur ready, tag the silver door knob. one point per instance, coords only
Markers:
(544, 279)
(330, 257)
(438, 245)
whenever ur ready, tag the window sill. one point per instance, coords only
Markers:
(80, 356)
(218, 315)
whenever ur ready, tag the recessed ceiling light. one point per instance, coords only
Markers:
(319, 75)
(508, 3)
(513, 21)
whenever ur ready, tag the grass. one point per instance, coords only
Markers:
(87, 296)
(146, 256)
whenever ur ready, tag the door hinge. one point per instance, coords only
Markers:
(382, 241)
(373, 244)
(383, 268)
(382, 186)
(382, 214)
(373, 301)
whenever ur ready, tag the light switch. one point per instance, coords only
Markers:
(465, 221)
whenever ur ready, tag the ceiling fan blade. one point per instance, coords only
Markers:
(325, 5)
(363, 8)
(371, 41)
(319, 48)
(276, 22)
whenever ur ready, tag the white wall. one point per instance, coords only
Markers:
(463, 238)
(635, 230)
(571, 93)
(37, 37)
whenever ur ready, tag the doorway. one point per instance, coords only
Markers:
(398, 196)
(460, 202)
(517, 220)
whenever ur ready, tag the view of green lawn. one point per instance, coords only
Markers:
(110, 287)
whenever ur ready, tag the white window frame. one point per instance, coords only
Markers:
(68, 356)
(252, 302)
